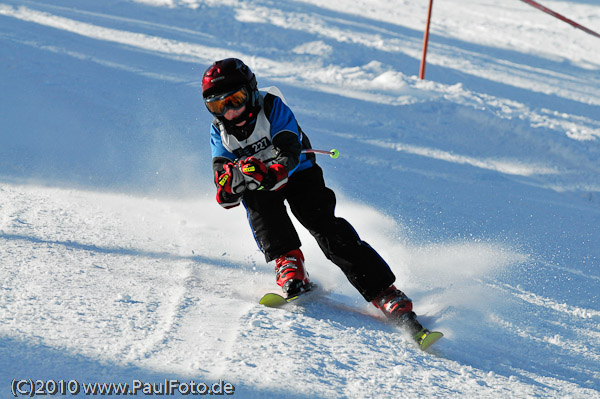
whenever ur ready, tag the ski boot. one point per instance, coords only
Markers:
(397, 307)
(290, 273)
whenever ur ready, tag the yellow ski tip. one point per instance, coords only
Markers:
(428, 338)
(272, 300)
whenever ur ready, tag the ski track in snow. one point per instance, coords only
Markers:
(117, 264)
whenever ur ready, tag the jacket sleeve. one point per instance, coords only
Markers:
(216, 144)
(286, 135)
(289, 150)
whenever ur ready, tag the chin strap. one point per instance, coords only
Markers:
(240, 132)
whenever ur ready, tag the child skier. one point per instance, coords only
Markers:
(257, 159)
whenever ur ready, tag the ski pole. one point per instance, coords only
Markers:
(333, 153)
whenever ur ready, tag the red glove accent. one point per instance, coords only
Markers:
(277, 177)
(260, 177)
(254, 171)
(228, 201)
(230, 186)
(231, 180)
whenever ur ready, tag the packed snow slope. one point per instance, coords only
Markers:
(479, 185)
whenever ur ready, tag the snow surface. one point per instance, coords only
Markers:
(479, 185)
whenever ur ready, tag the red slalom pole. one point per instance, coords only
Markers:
(425, 41)
(561, 17)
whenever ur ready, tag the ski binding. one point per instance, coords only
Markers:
(273, 300)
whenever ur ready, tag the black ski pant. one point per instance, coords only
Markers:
(313, 205)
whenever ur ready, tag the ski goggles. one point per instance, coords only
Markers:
(219, 104)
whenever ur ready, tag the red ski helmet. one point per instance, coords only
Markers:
(225, 76)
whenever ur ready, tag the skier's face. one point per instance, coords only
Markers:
(231, 114)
